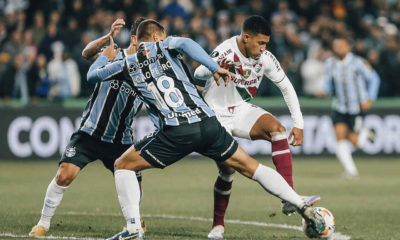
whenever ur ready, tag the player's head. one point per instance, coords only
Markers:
(150, 31)
(255, 35)
(341, 47)
(134, 27)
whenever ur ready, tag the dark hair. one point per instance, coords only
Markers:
(256, 24)
(147, 27)
(135, 25)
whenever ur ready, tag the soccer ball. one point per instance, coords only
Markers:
(329, 224)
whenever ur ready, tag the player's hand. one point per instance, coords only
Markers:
(225, 63)
(116, 27)
(111, 50)
(366, 106)
(224, 74)
(297, 136)
(320, 93)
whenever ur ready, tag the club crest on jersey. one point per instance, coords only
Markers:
(246, 73)
(70, 152)
(146, 52)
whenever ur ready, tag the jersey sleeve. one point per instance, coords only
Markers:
(202, 74)
(328, 85)
(102, 69)
(274, 71)
(193, 50)
(272, 68)
(370, 76)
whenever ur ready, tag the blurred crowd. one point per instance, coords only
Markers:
(41, 41)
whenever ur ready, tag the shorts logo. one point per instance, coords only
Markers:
(132, 220)
(70, 152)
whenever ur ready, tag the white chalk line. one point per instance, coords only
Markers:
(336, 235)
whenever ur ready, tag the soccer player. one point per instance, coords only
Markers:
(355, 84)
(187, 123)
(105, 131)
(246, 56)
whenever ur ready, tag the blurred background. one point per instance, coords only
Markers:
(43, 87)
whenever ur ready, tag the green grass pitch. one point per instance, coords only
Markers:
(368, 208)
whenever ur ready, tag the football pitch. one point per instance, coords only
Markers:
(178, 201)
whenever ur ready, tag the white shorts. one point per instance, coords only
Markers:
(239, 120)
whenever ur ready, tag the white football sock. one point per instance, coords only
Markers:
(343, 153)
(362, 137)
(275, 184)
(129, 197)
(54, 195)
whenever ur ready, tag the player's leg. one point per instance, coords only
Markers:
(160, 151)
(274, 183)
(220, 146)
(222, 193)
(269, 128)
(73, 160)
(343, 151)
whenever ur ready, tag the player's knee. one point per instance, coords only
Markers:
(120, 163)
(64, 178)
(279, 128)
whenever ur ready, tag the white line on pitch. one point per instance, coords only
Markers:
(336, 235)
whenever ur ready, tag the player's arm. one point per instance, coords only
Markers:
(104, 67)
(197, 53)
(372, 78)
(202, 74)
(90, 52)
(274, 72)
(328, 85)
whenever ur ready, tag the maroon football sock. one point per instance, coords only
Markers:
(222, 193)
(283, 159)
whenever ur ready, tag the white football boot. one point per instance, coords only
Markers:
(217, 232)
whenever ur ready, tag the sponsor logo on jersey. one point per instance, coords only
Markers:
(187, 114)
(224, 54)
(133, 67)
(114, 84)
(70, 152)
(214, 54)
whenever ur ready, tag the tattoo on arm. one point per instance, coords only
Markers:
(91, 50)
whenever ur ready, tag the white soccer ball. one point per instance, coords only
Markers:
(329, 224)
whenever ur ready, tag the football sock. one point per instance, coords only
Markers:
(222, 193)
(274, 183)
(129, 196)
(362, 137)
(343, 153)
(281, 156)
(54, 195)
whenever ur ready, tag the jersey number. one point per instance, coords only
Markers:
(172, 96)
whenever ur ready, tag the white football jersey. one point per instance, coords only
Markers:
(248, 75)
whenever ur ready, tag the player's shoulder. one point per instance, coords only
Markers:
(224, 49)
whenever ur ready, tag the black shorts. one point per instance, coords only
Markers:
(353, 121)
(171, 144)
(83, 149)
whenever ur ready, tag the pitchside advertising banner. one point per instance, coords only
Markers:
(43, 132)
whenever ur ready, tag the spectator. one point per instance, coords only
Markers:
(63, 74)
(51, 36)
(38, 29)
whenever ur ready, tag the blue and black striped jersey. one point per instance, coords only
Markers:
(109, 113)
(158, 74)
(352, 80)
